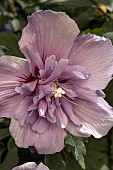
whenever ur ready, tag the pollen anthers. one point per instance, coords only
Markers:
(58, 91)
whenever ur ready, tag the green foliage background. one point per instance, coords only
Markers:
(91, 16)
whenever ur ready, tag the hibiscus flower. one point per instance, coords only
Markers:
(58, 87)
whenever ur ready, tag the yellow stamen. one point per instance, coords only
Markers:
(58, 91)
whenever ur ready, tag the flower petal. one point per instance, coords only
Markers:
(50, 64)
(47, 143)
(68, 108)
(9, 104)
(21, 112)
(62, 119)
(26, 88)
(33, 58)
(60, 67)
(42, 108)
(96, 118)
(41, 125)
(89, 95)
(41, 166)
(75, 130)
(69, 89)
(13, 68)
(75, 73)
(96, 54)
(51, 33)
(31, 166)
(51, 117)
(26, 166)
(11, 71)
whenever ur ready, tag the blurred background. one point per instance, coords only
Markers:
(92, 16)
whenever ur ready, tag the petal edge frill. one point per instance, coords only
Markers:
(48, 143)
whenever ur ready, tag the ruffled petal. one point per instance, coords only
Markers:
(60, 67)
(42, 108)
(26, 88)
(41, 125)
(96, 54)
(62, 119)
(50, 64)
(47, 143)
(51, 117)
(33, 58)
(96, 118)
(51, 33)
(75, 73)
(21, 112)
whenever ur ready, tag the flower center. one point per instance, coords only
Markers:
(58, 91)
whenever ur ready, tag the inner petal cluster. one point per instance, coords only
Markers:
(57, 80)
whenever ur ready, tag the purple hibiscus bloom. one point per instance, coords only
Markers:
(57, 88)
(31, 166)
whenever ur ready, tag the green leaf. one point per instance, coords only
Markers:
(111, 149)
(71, 163)
(32, 149)
(84, 18)
(73, 3)
(109, 35)
(3, 20)
(69, 140)
(109, 25)
(2, 149)
(55, 162)
(104, 167)
(4, 133)
(4, 123)
(97, 153)
(16, 24)
(10, 41)
(11, 160)
(109, 93)
(11, 144)
(78, 148)
(98, 31)
(21, 3)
